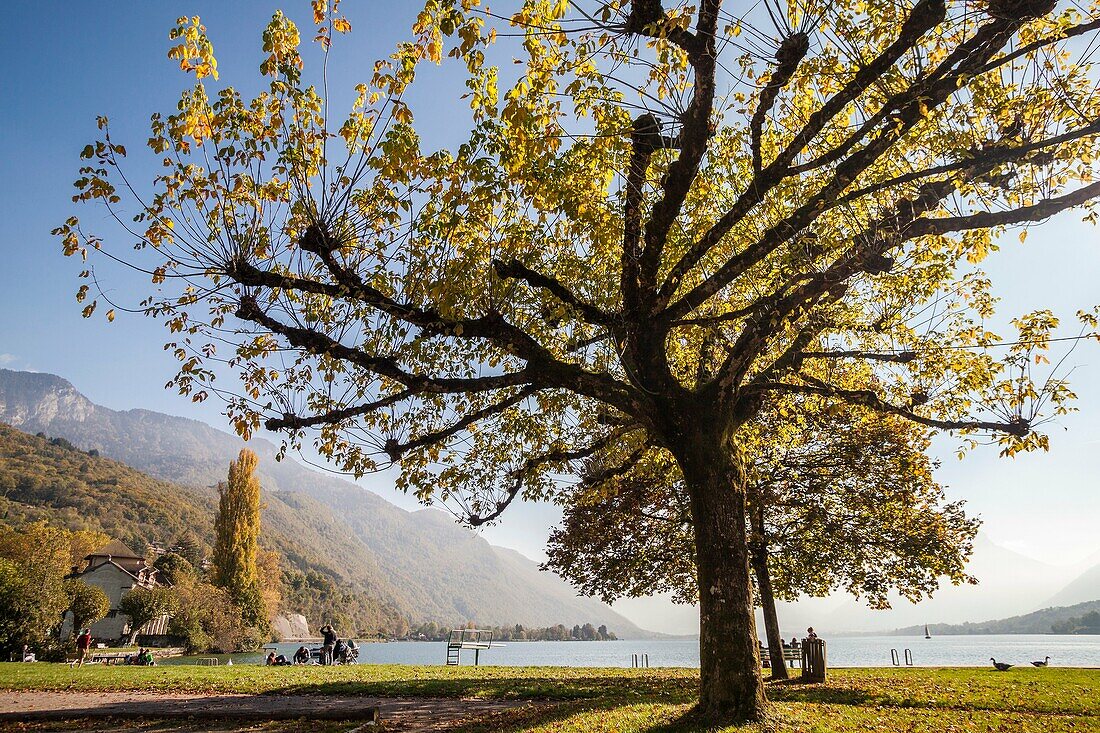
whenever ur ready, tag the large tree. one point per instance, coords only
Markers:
(660, 221)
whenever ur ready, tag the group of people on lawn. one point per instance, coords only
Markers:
(279, 660)
(332, 646)
(333, 649)
(143, 657)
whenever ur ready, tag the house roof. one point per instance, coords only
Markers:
(116, 549)
(91, 569)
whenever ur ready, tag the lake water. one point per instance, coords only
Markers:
(861, 651)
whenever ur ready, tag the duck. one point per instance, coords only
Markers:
(1000, 666)
(1043, 663)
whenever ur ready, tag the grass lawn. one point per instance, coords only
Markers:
(651, 701)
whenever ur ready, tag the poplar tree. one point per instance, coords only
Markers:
(236, 538)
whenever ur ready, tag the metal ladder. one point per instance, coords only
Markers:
(453, 655)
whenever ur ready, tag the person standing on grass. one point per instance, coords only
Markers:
(82, 643)
(328, 634)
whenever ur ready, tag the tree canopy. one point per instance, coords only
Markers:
(34, 595)
(87, 603)
(143, 605)
(664, 220)
(848, 502)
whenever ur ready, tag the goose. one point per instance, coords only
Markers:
(1043, 663)
(1000, 666)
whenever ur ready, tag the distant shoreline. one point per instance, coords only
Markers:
(920, 634)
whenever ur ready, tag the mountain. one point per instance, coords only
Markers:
(420, 562)
(50, 479)
(1002, 575)
(1085, 587)
(1037, 622)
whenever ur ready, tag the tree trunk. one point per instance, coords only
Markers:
(759, 560)
(731, 686)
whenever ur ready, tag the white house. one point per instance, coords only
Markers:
(116, 570)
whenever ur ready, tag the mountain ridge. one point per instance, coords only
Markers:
(1036, 622)
(438, 570)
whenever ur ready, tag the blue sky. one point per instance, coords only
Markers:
(66, 62)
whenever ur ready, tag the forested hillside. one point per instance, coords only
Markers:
(420, 563)
(50, 479)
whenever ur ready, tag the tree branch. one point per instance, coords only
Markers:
(395, 450)
(986, 219)
(900, 357)
(296, 422)
(517, 270)
(533, 462)
(869, 399)
(648, 18)
(920, 99)
(1027, 48)
(542, 366)
(314, 342)
(990, 157)
(790, 54)
(695, 132)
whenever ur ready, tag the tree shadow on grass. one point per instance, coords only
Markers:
(608, 716)
(634, 689)
(134, 725)
(794, 690)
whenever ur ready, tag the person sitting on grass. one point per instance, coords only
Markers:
(274, 660)
(147, 659)
(301, 656)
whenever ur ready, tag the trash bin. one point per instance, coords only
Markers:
(813, 660)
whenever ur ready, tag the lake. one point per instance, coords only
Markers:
(855, 651)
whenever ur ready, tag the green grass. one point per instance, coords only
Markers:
(646, 701)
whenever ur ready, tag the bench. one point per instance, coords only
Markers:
(108, 657)
(791, 654)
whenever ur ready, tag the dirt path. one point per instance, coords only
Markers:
(403, 714)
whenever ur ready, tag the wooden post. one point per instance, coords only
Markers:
(813, 660)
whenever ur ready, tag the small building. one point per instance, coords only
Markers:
(116, 570)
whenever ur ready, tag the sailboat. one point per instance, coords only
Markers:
(926, 634)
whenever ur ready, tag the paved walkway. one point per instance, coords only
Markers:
(409, 714)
